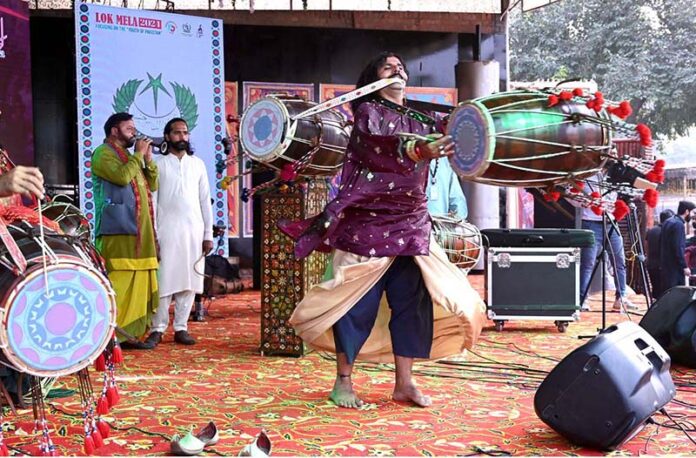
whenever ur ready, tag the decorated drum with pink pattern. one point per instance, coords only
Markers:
(56, 320)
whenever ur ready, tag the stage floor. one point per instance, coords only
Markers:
(483, 403)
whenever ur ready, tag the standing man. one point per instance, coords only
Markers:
(185, 228)
(125, 235)
(672, 246)
(379, 228)
(652, 240)
(615, 250)
(444, 192)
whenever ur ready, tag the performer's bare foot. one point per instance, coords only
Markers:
(343, 395)
(410, 393)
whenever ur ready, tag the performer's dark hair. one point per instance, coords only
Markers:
(665, 215)
(685, 205)
(369, 75)
(170, 123)
(114, 120)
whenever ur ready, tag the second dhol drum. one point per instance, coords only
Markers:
(516, 139)
(314, 145)
(460, 240)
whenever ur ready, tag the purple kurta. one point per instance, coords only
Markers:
(381, 207)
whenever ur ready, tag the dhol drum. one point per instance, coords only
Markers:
(460, 240)
(58, 319)
(315, 145)
(516, 139)
(75, 225)
(70, 219)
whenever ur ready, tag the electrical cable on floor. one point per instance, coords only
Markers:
(677, 425)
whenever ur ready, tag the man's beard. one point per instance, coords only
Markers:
(129, 141)
(182, 145)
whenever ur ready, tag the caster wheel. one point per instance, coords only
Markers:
(562, 326)
(499, 325)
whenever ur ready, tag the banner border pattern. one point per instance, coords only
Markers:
(85, 131)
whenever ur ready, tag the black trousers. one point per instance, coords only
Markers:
(411, 323)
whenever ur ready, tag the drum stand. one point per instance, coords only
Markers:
(637, 242)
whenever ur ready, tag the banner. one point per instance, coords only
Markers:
(252, 92)
(155, 66)
(16, 120)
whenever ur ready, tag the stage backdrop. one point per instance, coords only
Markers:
(252, 92)
(143, 62)
(16, 130)
(234, 203)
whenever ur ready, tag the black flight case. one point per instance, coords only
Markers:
(534, 274)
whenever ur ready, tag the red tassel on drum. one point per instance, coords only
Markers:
(97, 437)
(103, 428)
(4, 451)
(659, 165)
(112, 396)
(620, 210)
(644, 134)
(565, 96)
(103, 405)
(650, 196)
(117, 355)
(553, 100)
(100, 363)
(552, 196)
(577, 92)
(89, 445)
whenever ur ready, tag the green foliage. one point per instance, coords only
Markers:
(186, 102)
(638, 50)
(125, 95)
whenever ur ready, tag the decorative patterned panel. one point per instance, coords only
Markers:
(285, 279)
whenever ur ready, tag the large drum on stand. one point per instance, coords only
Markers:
(516, 139)
(59, 314)
(314, 145)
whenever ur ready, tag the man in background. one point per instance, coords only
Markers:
(125, 234)
(445, 195)
(652, 240)
(672, 246)
(185, 230)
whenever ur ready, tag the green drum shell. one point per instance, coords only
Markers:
(529, 135)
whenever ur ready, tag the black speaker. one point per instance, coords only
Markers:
(601, 394)
(672, 322)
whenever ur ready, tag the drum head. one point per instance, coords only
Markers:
(264, 129)
(62, 330)
(473, 132)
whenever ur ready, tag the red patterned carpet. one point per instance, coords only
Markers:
(483, 404)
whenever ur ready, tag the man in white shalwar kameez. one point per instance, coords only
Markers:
(184, 222)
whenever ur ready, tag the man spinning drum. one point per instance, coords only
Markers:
(379, 229)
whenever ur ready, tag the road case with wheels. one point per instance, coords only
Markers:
(534, 274)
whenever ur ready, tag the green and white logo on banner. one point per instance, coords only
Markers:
(155, 103)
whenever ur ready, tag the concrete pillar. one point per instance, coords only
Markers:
(477, 79)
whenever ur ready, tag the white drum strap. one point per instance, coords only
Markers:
(44, 253)
(349, 97)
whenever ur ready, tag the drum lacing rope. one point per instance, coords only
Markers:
(302, 163)
(44, 253)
